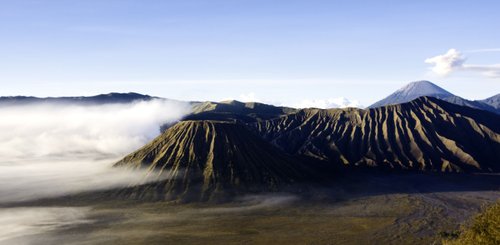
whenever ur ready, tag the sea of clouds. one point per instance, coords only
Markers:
(48, 150)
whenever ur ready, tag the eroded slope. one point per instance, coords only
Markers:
(425, 134)
(203, 159)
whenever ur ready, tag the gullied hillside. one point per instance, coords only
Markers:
(204, 159)
(425, 134)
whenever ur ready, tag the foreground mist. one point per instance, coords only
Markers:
(50, 150)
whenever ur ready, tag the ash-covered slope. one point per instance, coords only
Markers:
(206, 159)
(412, 91)
(425, 134)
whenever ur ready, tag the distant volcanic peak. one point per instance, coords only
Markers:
(412, 91)
(205, 157)
(424, 134)
(423, 88)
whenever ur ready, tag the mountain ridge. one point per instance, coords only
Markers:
(234, 110)
(425, 134)
(421, 88)
(205, 159)
(493, 101)
(108, 98)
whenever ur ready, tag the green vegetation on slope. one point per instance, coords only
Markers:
(484, 230)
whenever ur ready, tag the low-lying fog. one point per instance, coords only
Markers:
(49, 150)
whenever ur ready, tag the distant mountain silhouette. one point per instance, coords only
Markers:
(417, 89)
(97, 99)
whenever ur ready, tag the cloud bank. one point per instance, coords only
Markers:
(249, 97)
(453, 60)
(28, 131)
(55, 149)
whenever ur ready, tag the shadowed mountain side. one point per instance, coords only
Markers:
(425, 134)
(207, 159)
(476, 104)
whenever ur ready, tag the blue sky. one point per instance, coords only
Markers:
(273, 51)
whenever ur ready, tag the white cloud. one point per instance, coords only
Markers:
(487, 70)
(56, 149)
(446, 63)
(454, 60)
(62, 129)
(340, 102)
(249, 97)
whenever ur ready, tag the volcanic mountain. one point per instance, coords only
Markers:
(424, 134)
(412, 91)
(417, 89)
(233, 110)
(203, 160)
